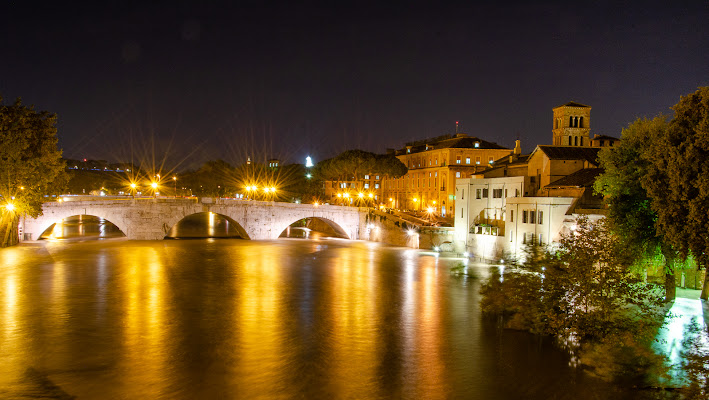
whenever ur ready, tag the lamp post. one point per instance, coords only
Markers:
(174, 181)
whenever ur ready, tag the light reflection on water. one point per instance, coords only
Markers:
(250, 319)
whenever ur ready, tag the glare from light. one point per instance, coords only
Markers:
(371, 195)
(411, 232)
(154, 185)
(430, 210)
(10, 207)
(360, 194)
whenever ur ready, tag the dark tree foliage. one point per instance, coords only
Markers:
(630, 212)
(583, 294)
(678, 179)
(352, 165)
(30, 165)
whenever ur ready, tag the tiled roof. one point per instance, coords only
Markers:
(580, 178)
(445, 142)
(589, 154)
(605, 137)
(516, 159)
(574, 104)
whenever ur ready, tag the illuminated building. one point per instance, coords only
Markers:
(533, 198)
(434, 165)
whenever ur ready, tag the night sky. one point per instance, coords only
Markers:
(187, 82)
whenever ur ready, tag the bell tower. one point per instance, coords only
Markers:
(572, 125)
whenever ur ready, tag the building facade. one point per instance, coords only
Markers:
(434, 165)
(552, 187)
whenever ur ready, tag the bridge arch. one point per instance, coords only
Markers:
(217, 226)
(63, 215)
(79, 219)
(320, 224)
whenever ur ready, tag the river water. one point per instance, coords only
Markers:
(218, 319)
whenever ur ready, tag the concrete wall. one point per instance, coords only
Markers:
(151, 219)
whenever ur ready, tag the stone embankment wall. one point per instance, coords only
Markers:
(392, 230)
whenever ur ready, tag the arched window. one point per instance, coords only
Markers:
(569, 140)
(582, 141)
(571, 122)
(581, 123)
(576, 140)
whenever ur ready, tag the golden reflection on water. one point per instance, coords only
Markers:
(145, 331)
(11, 343)
(356, 340)
(238, 319)
(259, 319)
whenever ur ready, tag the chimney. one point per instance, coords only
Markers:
(518, 148)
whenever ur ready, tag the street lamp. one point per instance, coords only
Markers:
(174, 180)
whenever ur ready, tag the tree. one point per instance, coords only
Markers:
(30, 165)
(630, 211)
(352, 165)
(584, 294)
(678, 179)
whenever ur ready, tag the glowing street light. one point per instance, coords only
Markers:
(10, 207)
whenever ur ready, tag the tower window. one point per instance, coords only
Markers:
(576, 140)
(571, 122)
(581, 122)
(569, 140)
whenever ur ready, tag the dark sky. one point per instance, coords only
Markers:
(187, 82)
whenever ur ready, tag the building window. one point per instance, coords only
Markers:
(524, 216)
(478, 193)
(512, 216)
(457, 159)
(461, 212)
(366, 177)
(467, 160)
(524, 238)
(477, 160)
(490, 160)
(376, 177)
(408, 150)
(462, 194)
(485, 193)
(531, 217)
(376, 186)
(436, 174)
(541, 239)
(581, 140)
(505, 193)
(540, 220)
(477, 144)
(366, 185)
(457, 174)
(516, 192)
(496, 193)
(569, 140)
(436, 160)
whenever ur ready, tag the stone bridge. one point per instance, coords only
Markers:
(151, 218)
